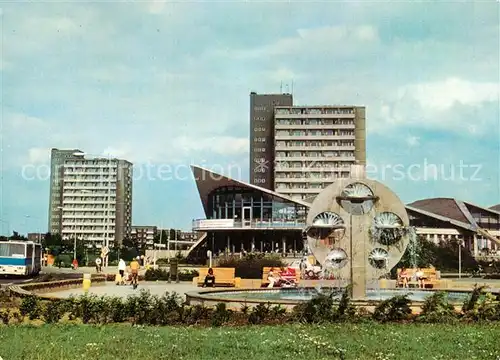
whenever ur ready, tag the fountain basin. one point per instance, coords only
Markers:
(293, 296)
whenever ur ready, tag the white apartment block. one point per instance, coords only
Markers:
(314, 145)
(95, 200)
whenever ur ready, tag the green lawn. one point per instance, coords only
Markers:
(364, 341)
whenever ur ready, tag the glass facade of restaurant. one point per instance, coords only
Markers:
(232, 202)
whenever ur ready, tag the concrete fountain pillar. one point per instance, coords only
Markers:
(358, 240)
(346, 225)
(357, 256)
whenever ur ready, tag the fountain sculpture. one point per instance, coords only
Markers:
(358, 227)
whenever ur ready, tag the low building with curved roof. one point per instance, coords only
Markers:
(240, 217)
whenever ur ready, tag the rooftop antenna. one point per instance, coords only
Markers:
(292, 86)
(287, 89)
(281, 87)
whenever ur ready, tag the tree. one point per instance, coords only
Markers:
(161, 235)
(133, 243)
(443, 256)
(51, 240)
(17, 236)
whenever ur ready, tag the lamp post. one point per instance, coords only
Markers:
(460, 258)
(160, 243)
(168, 246)
(209, 255)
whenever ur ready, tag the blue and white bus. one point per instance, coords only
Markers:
(23, 258)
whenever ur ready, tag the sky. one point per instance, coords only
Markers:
(166, 84)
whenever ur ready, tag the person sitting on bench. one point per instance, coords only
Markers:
(209, 279)
(420, 276)
(403, 276)
(273, 278)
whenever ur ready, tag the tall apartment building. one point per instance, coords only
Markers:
(314, 145)
(262, 136)
(91, 198)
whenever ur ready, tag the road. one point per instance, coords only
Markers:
(6, 281)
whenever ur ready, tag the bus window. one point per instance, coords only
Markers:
(29, 251)
(12, 250)
(38, 252)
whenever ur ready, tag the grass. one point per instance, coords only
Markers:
(343, 341)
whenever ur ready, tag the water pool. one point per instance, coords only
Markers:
(304, 294)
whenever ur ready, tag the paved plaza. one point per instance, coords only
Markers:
(111, 289)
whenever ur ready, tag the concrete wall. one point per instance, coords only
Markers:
(164, 254)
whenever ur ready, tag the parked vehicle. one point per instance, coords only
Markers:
(23, 258)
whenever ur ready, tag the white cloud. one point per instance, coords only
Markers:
(454, 104)
(24, 123)
(38, 156)
(413, 141)
(329, 39)
(284, 75)
(51, 25)
(156, 6)
(442, 95)
(223, 145)
(366, 33)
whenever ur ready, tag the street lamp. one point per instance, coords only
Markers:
(460, 258)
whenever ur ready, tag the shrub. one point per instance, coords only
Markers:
(53, 311)
(162, 262)
(162, 275)
(437, 309)
(277, 312)
(250, 266)
(196, 314)
(488, 308)
(317, 310)
(396, 308)
(139, 307)
(167, 309)
(156, 274)
(64, 260)
(5, 316)
(322, 308)
(471, 302)
(85, 307)
(4, 297)
(220, 315)
(345, 310)
(117, 310)
(100, 310)
(244, 309)
(30, 306)
(259, 314)
(481, 305)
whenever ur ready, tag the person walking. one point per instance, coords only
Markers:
(303, 268)
(122, 266)
(98, 264)
(134, 269)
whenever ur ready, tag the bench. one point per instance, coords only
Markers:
(223, 277)
(265, 272)
(430, 274)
